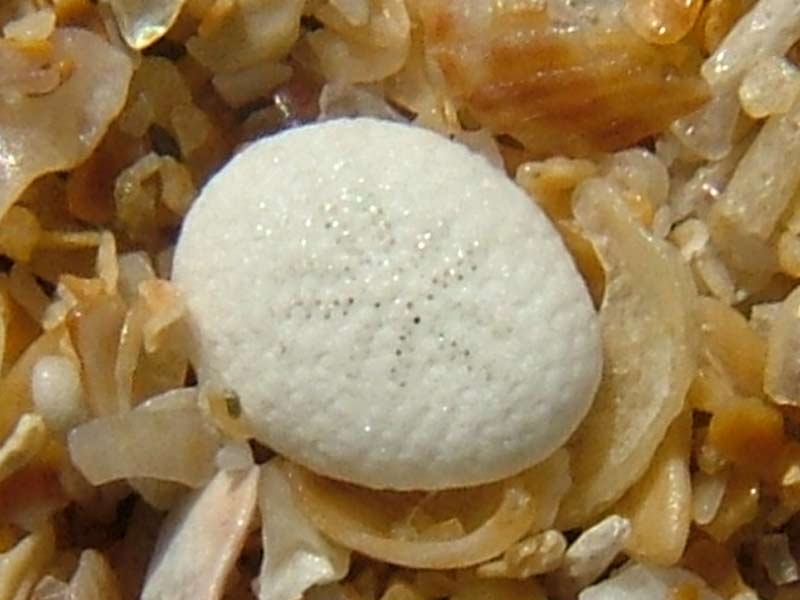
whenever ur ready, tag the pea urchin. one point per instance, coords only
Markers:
(390, 309)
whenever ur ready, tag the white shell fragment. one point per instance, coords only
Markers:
(770, 87)
(648, 582)
(202, 539)
(770, 28)
(593, 552)
(168, 444)
(391, 310)
(296, 555)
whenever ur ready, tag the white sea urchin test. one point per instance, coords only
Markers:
(390, 309)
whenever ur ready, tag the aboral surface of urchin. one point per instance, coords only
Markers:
(391, 310)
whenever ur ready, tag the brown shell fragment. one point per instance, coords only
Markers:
(561, 88)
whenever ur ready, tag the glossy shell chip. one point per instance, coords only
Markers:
(390, 309)
(144, 23)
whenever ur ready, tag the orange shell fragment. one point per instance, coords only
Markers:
(573, 90)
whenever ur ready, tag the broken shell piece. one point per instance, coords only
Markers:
(771, 87)
(24, 443)
(367, 53)
(245, 32)
(134, 268)
(441, 530)
(709, 131)
(235, 455)
(593, 552)
(764, 181)
(770, 28)
(662, 21)
(338, 100)
(172, 444)
(707, 494)
(399, 299)
(296, 555)
(202, 538)
(21, 567)
(646, 582)
(31, 28)
(58, 130)
(50, 588)
(739, 506)
(730, 342)
(574, 82)
(659, 506)
(782, 373)
(649, 359)
(144, 23)
(537, 554)
(94, 579)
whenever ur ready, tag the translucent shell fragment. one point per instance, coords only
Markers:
(445, 530)
(144, 23)
(649, 354)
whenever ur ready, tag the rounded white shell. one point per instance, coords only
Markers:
(391, 309)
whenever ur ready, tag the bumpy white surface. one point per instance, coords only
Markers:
(391, 310)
